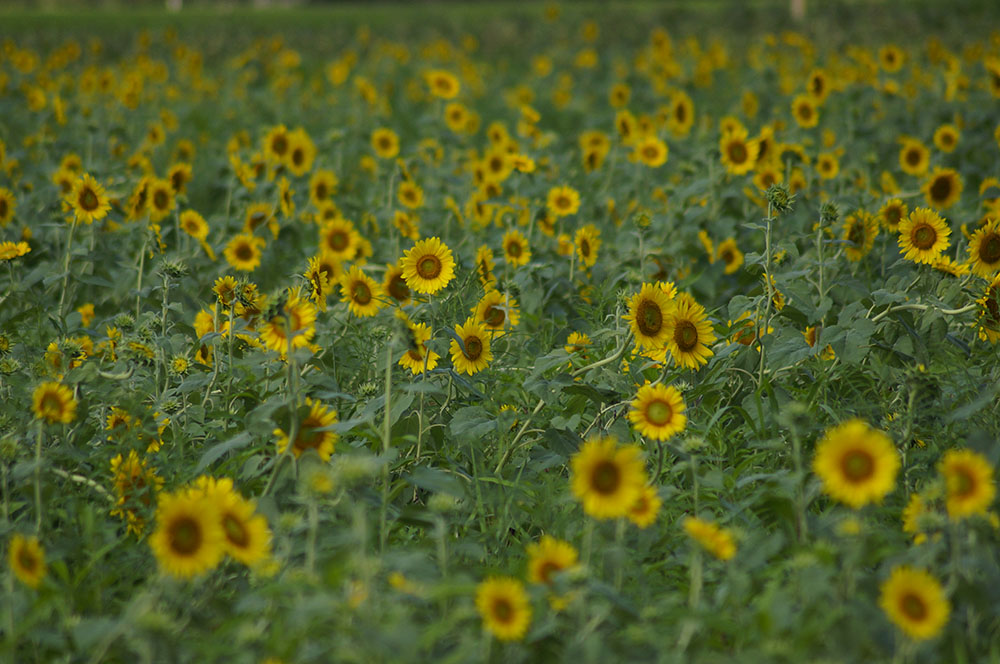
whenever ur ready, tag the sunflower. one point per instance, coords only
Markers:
(385, 143)
(689, 333)
(658, 411)
(562, 201)
(295, 323)
(484, 266)
(407, 224)
(515, 248)
(12, 250)
(989, 312)
(136, 485)
(646, 508)
(923, 236)
(969, 481)
(322, 185)
(475, 353)
(717, 541)
(856, 463)
(891, 58)
(827, 165)
(730, 254)
(88, 200)
(892, 213)
(247, 537)
(915, 601)
(161, 199)
(339, 239)
(739, 155)
(804, 111)
(428, 266)
(361, 293)
(410, 194)
(27, 559)
(442, 84)
(946, 137)
(277, 144)
(418, 358)
(54, 402)
(607, 479)
(188, 539)
(860, 230)
(680, 114)
(243, 252)
(943, 188)
(587, 241)
(301, 152)
(314, 432)
(914, 157)
(287, 204)
(497, 312)
(503, 604)
(549, 556)
(818, 85)
(913, 513)
(984, 249)
(651, 151)
(7, 205)
(456, 116)
(394, 284)
(194, 224)
(648, 314)
(179, 175)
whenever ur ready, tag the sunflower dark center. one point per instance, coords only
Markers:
(686, 335)
(585, 248)
(913, 157)
(398, 288)
(160, 199)
(562, 202)
(338, 240)
(279, 145)
(3, 206)
(361, 294)
(680, 112)
(651, 152)
(244, 252)
(546, 570)
(989, 249)
(737, 152)
(856, 235)
(649, 318)
(514, 249)
(605, 478)
(913, 607)
(963, 483)
(473, 348)
(185, 536)
(805, 111)
(27, 560)
(236, 533)
(502, 610)
(51, 404)
(659, 413)
(893, 216)
(940, 189)
(494, 316)
(321, 191)
(429, 267)
(728, 256)
(298, 156)
(88, 199)
(924, 237)
(858, 466)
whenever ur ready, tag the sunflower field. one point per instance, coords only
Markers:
(501, 333)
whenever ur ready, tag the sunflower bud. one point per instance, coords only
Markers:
(780, 198)
(829, 213)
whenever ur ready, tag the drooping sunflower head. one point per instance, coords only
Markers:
(857, 464)
(923, 236)
(607, 478)
(711, 537)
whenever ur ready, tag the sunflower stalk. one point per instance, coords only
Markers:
(38, 478)
(386, 440)
(293, 404)
(69, 247)
(769, 293)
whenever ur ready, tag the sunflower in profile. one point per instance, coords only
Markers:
(716, 540)
(161, 199)
(587, 241)
(429, 266)
(301, 152)
(340, 239)
(658, 411)
(984, 249)
(475, 353)
(11, 250)
(54, 402)
(394, 284)
(892, 214)
(818, 85)
(729, 252)
(442, 84)
(648, 314)
(385, 143)
(549, 556)
(607, 478)
(989, 312)
(136, 486)
(646, 508)
(179, 175)
(860, 229)
(689, 333)
(856, 463)
(804, 111)
(7, 205)
(88, 200)
(188, 539)
(243, 252)
(680, 114)
(562, 201)
(577, 342)
(247, 535)
(914, 157)
(923, 236)
(515, 248)
(915, 601)
(361, 293)
(257, 215)
(739, 155)
(504, 606)
(943, 188)
(485, 265)
(969, 482)
(320, 284)
(27, 560)
(295, 323)
(497, 312)
(418, 357)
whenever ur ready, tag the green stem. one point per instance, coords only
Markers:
(386, 440)
(69, 246)
(311, 536)
(38, 478)
(765, 323)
